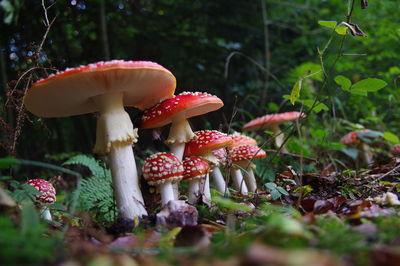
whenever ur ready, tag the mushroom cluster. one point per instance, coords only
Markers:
(106, 88)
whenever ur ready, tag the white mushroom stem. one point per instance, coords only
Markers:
(167, 192)
(250, 180)
(45, 212)
(366, 155)
(219, 181)
(127, 191)
(238, 181)
(194, 190)
(179, 133)
(279, 136)
(249, 177)
(115, 135)
(206, 188)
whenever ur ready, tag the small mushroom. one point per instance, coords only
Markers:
(206, 142)
(196, 169)
(162, 169)
(105, 88)
(358, 139)
(242, 157)
(272, 122)
(47, 195)
(395, 150)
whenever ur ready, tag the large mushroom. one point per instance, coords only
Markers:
(162, 169)
(272, 122)
(105, 88)
(196, 169)
(47, 195)
(176, 111)
(242, 157)
(206, 142)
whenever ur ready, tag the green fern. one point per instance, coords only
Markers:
(96, 193)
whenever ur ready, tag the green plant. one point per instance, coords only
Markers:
(27, 243)
(96, 192)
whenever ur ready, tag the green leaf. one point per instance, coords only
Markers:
(7, 162)
(343, 82)
(295, 94)
(318, 133)
(327, 23)
(30, 218)
(282, 191)
(271, 186)
(318, 105)
(351, 152)
(369, 84)
(341, 30)
(360, 92)
(275, 194)
(391, 137)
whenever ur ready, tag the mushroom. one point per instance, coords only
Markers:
(220, 183)
(47, 195)
(272, 122)
(176, 111)
(106, 87)
(196, 169)
(395, 150)
(206, 142)
(358, 139)
(242, 157)
(162, 169)
(240, 139)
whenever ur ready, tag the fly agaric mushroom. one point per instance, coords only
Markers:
(357, 139)
(162, 169)
(196, 169)
(176, 111)
(220, 183)
(206, 142)
(240, 139)
(272, 122)
(47, 195)
(242, 157)
(395, 150)
(106, 87)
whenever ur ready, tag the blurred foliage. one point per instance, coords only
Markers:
(220, 41)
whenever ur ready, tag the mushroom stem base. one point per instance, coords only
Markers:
(250, 180)
(129, 198)
(219, 181)
(194, 191)
(238, 181)
(167, 193)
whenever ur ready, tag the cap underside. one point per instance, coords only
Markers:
(71, 94)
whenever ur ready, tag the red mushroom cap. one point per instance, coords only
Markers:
(162, 167)
(246, 153)
(207, 140)
(395, 150)
(221, 155)
(195, 167)
(67, 93)
(350, 138)
(189, 103)
(353, 138)
(239, 140)
(265, 120)
(46, 190)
